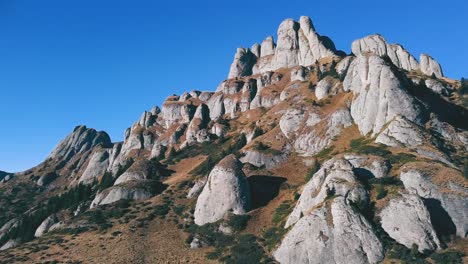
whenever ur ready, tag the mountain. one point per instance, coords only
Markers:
(304, 154)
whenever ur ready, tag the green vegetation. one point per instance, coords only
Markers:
(451, 256)
(280, 214)
(215, 151)
(266, 149)
(273, 236)
(312, 170)
(362, 146)
(381, 192)
(325, 154)
(238, 222)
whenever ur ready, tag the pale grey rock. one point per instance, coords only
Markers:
(259, 159)
(147, 119)
(377, 45)
(379, 95)
(195, 93)
(155, 110)
(430, 66)
(117, 193)
(79, 141)
(407, 220)
(336, 175)
(452, 197)
(401, 131)
(219, 130)
(312, 46)
(196, 243)
(337, 234)
(325, 87)
(97, 166)
(171, 113)
(45, 225)
(10, 244)
(313, 119)
(437, 87)
(227, 189)
(216, 106)
(298, 74)
(158, 150)
(196, 188)
(133, 140)
(184, 97)
(242, 65)
(311, 142)
(231, 106)
(268, 47)
(256, 49)
(449, 133)
(196, 130)
(287, 49)
(291, 121)
(205, 96)
(342, 66)
(46, 179)
(9, 226)
(140, 170)
(378, 167)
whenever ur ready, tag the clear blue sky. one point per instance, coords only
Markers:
(101, 63)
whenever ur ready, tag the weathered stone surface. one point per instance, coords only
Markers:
(407, 220)
(336, 177)
(325, 87)
(401, 131)
(117, 193)
(10, 244)
(430, 66)
(379, 95)
(196, 188)
(79, 141)
(376, 166)
(437, 87)
(342, 66)
(243, 62)
(140, 170)
(377, 45)
(291, 121)
(314, 139)
(298, 74)
(453, 197)
(259, 159)
(268, 47)
(332, 233)
(226, 190)
(45, 225)
(97, 166)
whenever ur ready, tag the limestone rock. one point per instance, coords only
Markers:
(430, 66)
(407, 220)
(10, 244)
(291, 121)
(97, 166)
(332, 234)
(196, 188)
(401, 131)
(242, 64)
(298, 74)
(226, 190)
(377, 45)
(117, 193)
(268, 47)
(140, 170)
(379, 95)
(452, 197)
(437, 87)
(325, 87)
(336, 177)
(259, 159)
(79, 141)
(369, 166)
(342, 66)
(45, 225)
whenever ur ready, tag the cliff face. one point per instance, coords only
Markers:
(303, 155)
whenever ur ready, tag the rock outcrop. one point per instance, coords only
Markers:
(79, 141)
(407, 220)
(430, 66)
(451, 198)
(117, 193)
(336, 177)
(97, 166)
(379, 95)
(332, 233)
(377, 45)
(226, 190)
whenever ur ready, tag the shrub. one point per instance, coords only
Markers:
(312, 170)
(325, 153)
(246, 250)
(282, 212)
(447, 257)
(381, 192)
(273, 236)
(238, 222)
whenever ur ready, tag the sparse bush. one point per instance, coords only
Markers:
(381, 192)
(454, 257)
(282, 212)
(238, 222)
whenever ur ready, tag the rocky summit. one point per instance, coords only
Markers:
(304, 154)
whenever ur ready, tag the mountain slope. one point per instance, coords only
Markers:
(303, 155)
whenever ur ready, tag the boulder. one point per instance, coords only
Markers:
(336, 177)
(226, 190)
(45, 225)
(430, 66)
(196, 188)
(332, 233)
(437, 87)
(401, 131)
(379, 95)
(266, 160)
(407, 220)
(325, 87)
(117, 193)
(268, 47)
(291, 121)
(450, 198)
(242, 65)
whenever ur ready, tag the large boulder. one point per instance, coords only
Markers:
(336, 177)
(379, 95)
(444, 190)
(430, 66)
(226, 190)
(332, 233)
(117, 193)
(46, 225)
(242, 64)
(407, 220)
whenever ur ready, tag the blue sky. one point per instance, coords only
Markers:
(101, 63)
